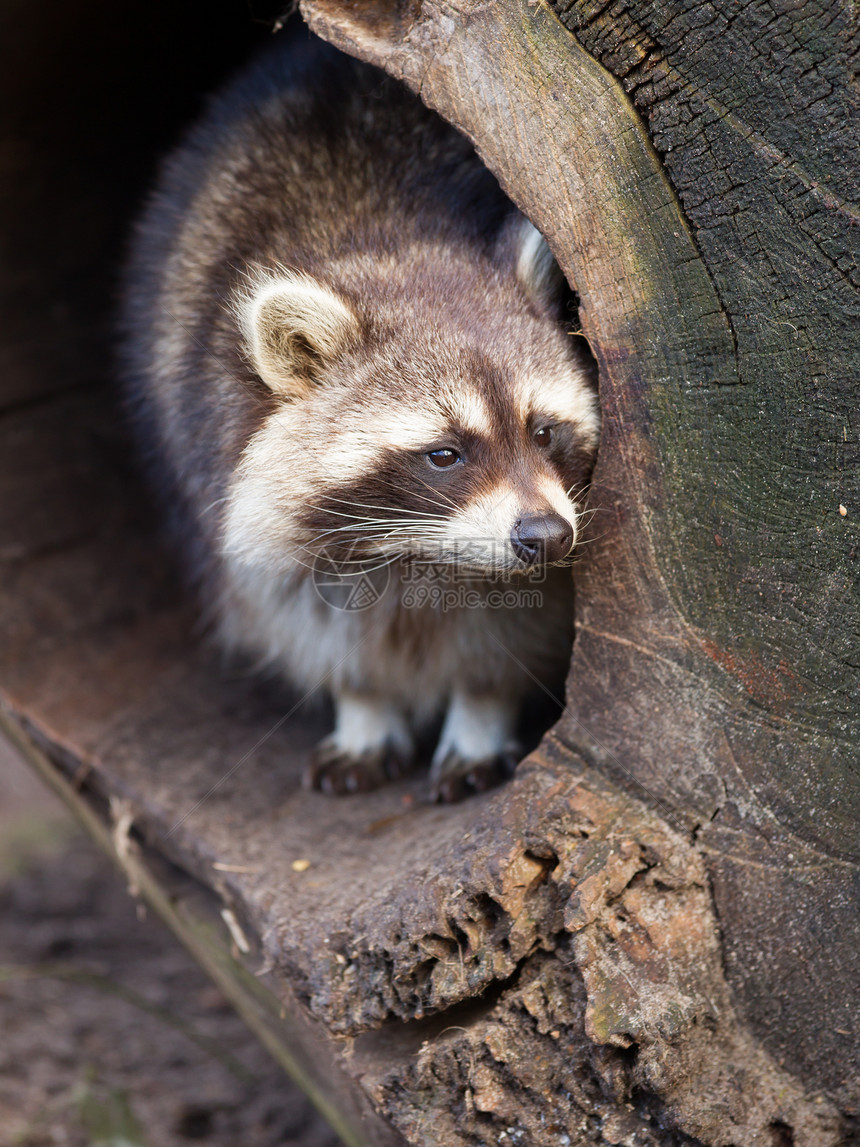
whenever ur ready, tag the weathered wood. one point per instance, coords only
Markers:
(715, 672)
(537, 965)
(191, 911)
(532, 898)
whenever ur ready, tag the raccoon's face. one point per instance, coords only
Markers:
(456, 427)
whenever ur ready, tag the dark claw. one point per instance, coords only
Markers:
(454, 778)
(396, 765)
(334, 772)
(448, 790)
(483, 777)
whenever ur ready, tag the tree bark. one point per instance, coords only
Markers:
(713, 242)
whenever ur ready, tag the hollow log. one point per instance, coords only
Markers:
(695, 170)
(650, 934)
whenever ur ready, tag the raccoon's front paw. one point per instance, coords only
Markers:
(454, 777)
(336, 771)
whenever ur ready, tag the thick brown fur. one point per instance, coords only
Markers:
(328, 290)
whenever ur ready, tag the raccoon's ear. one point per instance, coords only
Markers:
(293, 326)
(539, 274)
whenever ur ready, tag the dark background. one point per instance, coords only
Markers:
(108, 1026)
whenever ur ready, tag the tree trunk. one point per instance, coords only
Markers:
(714, 244)
(647, 936)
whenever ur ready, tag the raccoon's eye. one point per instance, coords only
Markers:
(543, 437)
(443, 458)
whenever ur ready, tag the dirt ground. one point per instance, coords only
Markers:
(110, 1036)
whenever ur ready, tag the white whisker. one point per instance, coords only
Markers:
(365, 505)
(435, 501)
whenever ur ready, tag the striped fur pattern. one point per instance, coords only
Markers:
(328, 298)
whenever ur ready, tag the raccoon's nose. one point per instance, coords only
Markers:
(540, 538)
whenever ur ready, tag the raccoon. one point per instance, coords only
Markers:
(345, 351)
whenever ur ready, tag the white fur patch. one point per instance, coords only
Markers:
(401, 428)
(364, 724)
(471, 411)
(476, 728)
(480, 533)
(537, 270)
(275, 475)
